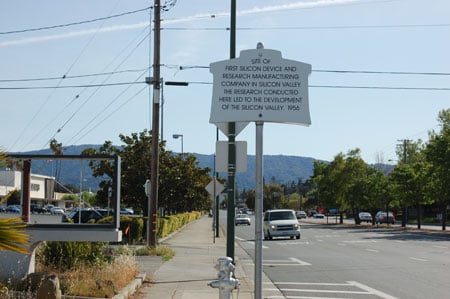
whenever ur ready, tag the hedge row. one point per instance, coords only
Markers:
(169, 224)
(134, 228)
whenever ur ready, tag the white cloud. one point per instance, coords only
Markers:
(255, 10)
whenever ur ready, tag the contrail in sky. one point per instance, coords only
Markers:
(255, 10)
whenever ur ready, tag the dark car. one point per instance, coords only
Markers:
(87, 216)
(12, 209)
(380, 217)
(37, 209)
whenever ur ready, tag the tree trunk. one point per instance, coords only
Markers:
(404, 217)
(419, 216)
(356, 215)
(444, 216)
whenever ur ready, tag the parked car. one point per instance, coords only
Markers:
(281, 223)
(48, 207)
(12, 209)
(105, 212)
(300, 214)
(242, 219)
(126, 211)
(380, 217)
(37, 209)
(319, 215)
(311, 213)
(365, 216)
(57, 211)
(2, 209)
(87, 216)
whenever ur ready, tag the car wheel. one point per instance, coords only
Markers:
(292, 237)
(297, 237)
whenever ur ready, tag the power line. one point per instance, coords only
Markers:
(75, 23)
(68, 86)
(335, 27)
(210, 83)
(71, 76)
(207, 67)
(345, 71)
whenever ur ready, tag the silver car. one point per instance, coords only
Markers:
(242, 219)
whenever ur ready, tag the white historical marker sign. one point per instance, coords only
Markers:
(260, 86)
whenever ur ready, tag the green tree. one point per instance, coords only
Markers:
(376, 193)
(249, 196)
(181, 182)
(437, 153)
(273, 197)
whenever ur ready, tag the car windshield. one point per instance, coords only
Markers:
(282, 215)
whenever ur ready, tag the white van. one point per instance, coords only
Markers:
(281, 223)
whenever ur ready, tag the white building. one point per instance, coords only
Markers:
(41, 188)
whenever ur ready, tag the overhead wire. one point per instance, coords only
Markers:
(72, 141)
(76, 23)
(207, 67)
(109, 76)
(69, 69)
(103, 84)
(210, 83)
(334, 27)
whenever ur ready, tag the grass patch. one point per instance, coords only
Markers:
(107, 279)
(165, 252)
(94, 281)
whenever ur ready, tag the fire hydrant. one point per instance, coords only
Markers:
(225, 282)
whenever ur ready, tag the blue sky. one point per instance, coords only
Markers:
(342, 35)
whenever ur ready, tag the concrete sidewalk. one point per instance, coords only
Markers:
(187, 274)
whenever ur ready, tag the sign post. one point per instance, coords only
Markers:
(259, 86)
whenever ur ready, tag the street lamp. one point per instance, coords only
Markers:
(176, 136)
(150, 81)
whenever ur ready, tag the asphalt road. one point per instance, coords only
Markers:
(332, 261)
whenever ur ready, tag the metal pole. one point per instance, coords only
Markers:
(231, 149)
(162, 109)
(155, 127)
(258, 209)
(216, 197)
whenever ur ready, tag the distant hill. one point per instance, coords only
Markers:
(280, 168)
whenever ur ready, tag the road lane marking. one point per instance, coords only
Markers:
(249, 242)
(372, 250)
(359, 289)
(299, 261)
(371, 290)
(440, 247)
(292, 261)
(418, 259)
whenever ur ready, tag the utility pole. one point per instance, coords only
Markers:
(405, 156)
(231, 149)
(153, 211)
